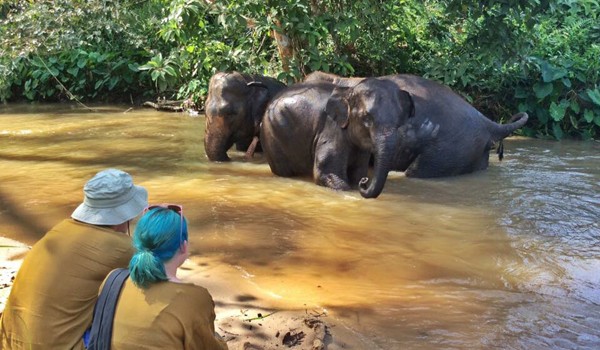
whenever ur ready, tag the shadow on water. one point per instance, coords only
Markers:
(60, 109)
(15, 214)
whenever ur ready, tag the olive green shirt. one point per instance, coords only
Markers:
(166, 315)
(53, 296)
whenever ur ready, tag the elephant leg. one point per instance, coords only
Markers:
(432, 162)
(483, 162)
(449, 161)
(421, 169)
(415, 136)
(330, 169)
(279, 165)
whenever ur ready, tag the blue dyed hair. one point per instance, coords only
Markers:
(156, 240)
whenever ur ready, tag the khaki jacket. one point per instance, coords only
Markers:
(53, 295)
(166, 315)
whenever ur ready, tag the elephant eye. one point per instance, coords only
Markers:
(368, 121)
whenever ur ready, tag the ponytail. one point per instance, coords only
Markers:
(145, 268)
(156, 239)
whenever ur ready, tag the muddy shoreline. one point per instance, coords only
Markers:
(248, 317)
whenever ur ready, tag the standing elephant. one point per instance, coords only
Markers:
(330, 132)
(465, 135)
(234, 108)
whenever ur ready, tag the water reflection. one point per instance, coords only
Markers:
(505, 258)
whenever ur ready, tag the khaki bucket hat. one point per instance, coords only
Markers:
(111, 198)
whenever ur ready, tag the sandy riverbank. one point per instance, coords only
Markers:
(248, 317)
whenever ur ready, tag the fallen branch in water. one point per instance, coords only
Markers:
(163, 105)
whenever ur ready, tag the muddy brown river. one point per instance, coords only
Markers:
(507, 258)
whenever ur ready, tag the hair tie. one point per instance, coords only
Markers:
(145, 250)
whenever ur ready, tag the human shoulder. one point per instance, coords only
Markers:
(194, 289)
(192, 294)
(73, 226)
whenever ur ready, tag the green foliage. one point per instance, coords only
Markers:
(538, 58)
(562, 90)
(75, 74)
(162, 71)
(502, 56)
(53, 50)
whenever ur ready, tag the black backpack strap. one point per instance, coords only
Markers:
(104, 311)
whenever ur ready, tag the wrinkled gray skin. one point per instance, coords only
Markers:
(234, 108)
(330, 132)
(465, 135)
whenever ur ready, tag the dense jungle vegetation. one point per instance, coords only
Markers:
(504, 56)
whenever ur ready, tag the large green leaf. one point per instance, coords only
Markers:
(588, 115)
(575, 106)
(542, 90)
(170, 71)
(557, 131)
(594, 95)
(557, 111)
(112, 82)
(520, 92)
(551, 73)
(155, 74)
(73, 71)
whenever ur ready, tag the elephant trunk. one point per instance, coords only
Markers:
(216, 147)
(384, 154)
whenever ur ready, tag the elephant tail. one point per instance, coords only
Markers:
(502, 131)
(516, 121)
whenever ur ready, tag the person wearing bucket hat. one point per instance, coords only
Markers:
(111, 198)
(53, 295)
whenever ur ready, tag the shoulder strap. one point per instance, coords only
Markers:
(104, 311)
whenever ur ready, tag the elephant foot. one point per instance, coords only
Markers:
(333, 181)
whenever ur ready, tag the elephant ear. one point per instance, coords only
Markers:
(408, 104)
(337, 106)
(258, 98)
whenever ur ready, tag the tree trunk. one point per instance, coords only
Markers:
(284, 46)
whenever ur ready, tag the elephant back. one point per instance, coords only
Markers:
(290, 126)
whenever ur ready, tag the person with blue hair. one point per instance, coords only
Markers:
(155, 309)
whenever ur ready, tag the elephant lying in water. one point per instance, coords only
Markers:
(465, 135)
(330, 132)
(234, 108)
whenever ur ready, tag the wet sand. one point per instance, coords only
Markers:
(248, 317)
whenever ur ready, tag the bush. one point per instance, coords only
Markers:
(54, 50)
(538, 59)
(562, 88)
(502, 56)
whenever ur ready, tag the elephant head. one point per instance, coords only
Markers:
(234, 108)
(373, 113)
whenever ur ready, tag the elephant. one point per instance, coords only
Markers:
(234, 109)
(330, 132)
(465, 135)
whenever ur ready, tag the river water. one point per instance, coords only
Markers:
(507, 258)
